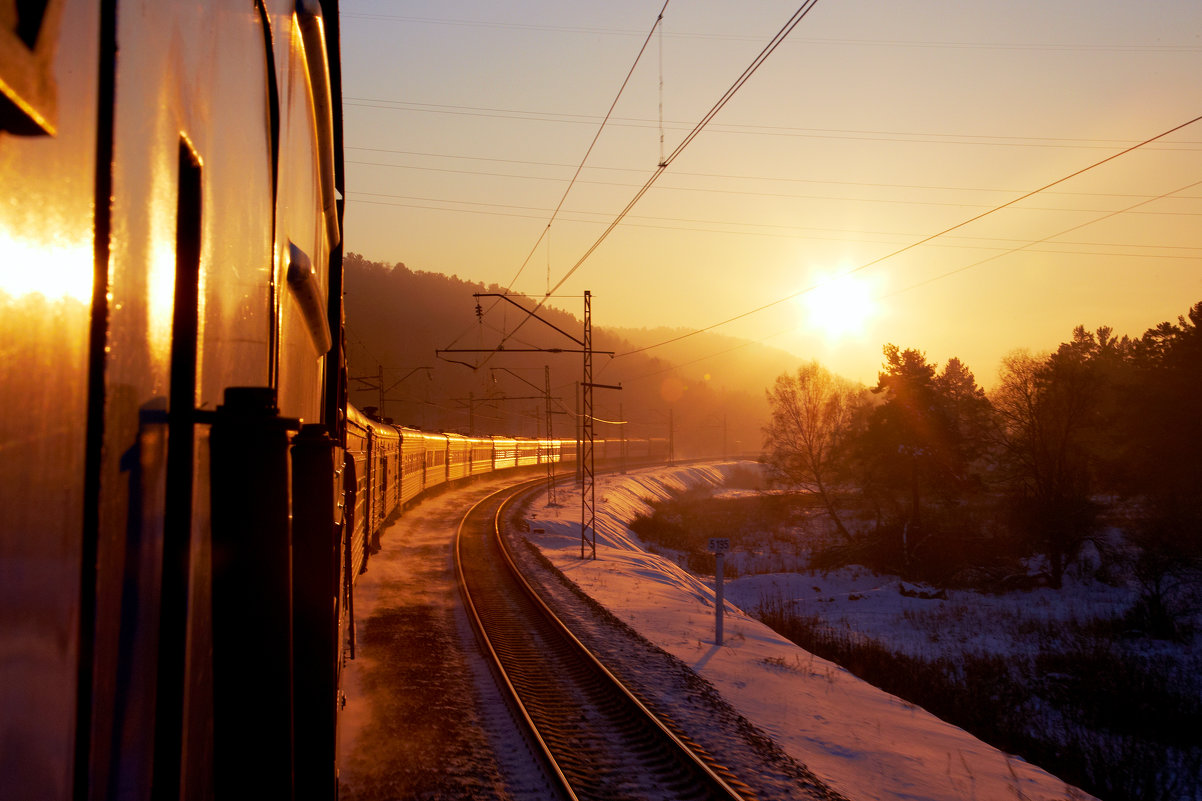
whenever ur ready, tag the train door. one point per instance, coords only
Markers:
(377, 524)
(372, 509)
(383, 471)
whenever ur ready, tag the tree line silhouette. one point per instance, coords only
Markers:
(927, 475)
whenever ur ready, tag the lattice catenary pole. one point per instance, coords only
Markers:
(588, 492)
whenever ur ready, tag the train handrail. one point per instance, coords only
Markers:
(305, 287)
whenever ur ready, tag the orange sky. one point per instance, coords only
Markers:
(874, 126)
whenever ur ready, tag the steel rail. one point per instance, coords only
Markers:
(584, 651)
(678, 744)
(556, 770)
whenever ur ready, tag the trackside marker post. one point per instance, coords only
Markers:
(718, 546)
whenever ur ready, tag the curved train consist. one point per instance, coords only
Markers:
(187, 496)
(389, 466)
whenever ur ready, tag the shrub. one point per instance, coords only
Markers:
(1123, 725)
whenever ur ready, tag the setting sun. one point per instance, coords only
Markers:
(839, 306)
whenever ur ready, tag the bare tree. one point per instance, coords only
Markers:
(811, 411)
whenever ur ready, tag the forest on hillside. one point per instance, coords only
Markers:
(706, 393)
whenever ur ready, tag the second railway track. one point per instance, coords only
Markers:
(600, 742)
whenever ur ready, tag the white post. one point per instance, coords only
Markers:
(718, 546)
(719, 604)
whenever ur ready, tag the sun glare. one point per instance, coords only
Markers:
(839, 306)
(53, 271)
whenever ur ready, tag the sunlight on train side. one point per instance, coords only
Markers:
(160, 296)
(55, 270)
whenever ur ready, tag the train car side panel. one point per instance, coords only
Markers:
(527, 452)
(46, 294)
(436, 460)
(386, 488)
(459, 454)
(505, 452)
(142, 274)
(481, 455)
(189, 273)
(413, 464)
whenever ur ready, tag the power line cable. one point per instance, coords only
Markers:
(777, 195)
(841, 234)
(1118, 47)
(1045, 239)
(854, 135)
(674, 367)
(723, 176)
(929, 238)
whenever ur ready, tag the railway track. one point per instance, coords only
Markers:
(598, 740)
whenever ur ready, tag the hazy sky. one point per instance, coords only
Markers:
(874, 126)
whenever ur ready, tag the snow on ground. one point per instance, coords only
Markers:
(865, 743)
(957, 621)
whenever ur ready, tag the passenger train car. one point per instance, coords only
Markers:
(187, 497)
(387, 467)
(170, 306)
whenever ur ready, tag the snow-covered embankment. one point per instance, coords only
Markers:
(863, 742)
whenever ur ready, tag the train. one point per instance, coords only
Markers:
(187, 495)
(388, 467)
(170, 320)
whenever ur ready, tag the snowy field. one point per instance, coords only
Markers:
(904, 616)
(863, 742)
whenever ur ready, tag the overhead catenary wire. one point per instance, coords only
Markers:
(739, 82)
(588, 152)
(751, 69)
(896, 242)
(584, 160)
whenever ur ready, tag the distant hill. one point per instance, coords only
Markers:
(709, 388)
(729, 361)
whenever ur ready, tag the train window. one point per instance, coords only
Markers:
(28, 35)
